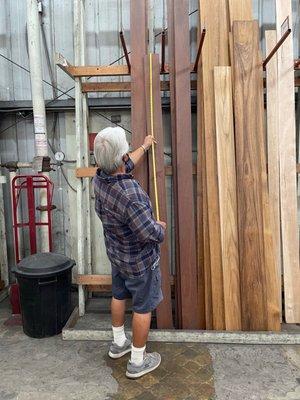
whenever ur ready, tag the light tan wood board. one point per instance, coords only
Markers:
(213, 17)
(227, 196)
(287, 157)
(239, 10)
(258, 274)
(273, 150)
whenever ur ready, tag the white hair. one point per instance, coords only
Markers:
(110, 145)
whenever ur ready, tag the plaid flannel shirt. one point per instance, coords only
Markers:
(132, 235)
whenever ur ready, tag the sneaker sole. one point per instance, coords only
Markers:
(142, 373)
(119, 355)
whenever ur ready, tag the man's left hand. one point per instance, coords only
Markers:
(148, 141)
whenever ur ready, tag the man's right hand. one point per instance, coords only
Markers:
(163, 224)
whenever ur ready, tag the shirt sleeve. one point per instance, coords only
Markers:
(142, 223)
(129, 165)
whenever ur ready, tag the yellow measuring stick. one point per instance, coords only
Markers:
(153, 144)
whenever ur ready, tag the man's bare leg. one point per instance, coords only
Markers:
(118, 319)
(118, 312)
(140, 328)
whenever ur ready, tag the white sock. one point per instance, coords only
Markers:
(137, 355)
(119, 335)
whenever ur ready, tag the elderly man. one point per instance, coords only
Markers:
(132, 238)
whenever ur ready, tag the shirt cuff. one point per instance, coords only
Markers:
(129, 165)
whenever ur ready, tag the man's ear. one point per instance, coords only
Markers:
(125, 158)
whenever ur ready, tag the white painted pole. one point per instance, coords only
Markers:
(38, 102)
(3, 248)
(81, 221)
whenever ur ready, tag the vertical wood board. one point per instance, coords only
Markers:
(164, 310)
(227, 196)
(273, 150)
(213, 17)
(179, 61)
(240, 10)
(139, 47)
(287, 161)
(248, 128)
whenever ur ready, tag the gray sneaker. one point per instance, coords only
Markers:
(116, 351)
(150, 363)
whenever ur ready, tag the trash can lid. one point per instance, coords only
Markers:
(43, 264)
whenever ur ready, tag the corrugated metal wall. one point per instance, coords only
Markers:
(104, 19)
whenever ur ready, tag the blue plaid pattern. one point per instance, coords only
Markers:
(132, 235)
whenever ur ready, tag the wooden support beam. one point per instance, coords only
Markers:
(139, 47)
(164, 310)
(63, 64)
(89, 87)
(213, 16)
(102, 280)
(89, 172)
(258, 274)
(122, 86)
(106, 70)
(186, 266)
(273, 151)
(287, 161)
(227, 197)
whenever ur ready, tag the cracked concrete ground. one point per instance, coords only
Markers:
(53, 369)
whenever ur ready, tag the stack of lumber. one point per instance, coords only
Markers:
(245, 228)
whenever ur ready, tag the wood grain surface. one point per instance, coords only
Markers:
(213, 17)
(164, 310)
(287, 157)
(227, 196)
(179, 62)
(139, 48)
(273, 151)
(258, 274)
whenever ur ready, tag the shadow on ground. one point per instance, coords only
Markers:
(185, 373)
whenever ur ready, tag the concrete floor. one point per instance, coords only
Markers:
(53, 369)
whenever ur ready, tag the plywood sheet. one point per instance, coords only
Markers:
(164, 310)
(138, 44)
(273, 150)
(213, 16)
(287, 157)
(258, 273)
(179, 61)
(227, 196)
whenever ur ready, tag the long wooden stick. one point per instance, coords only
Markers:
(152, 134)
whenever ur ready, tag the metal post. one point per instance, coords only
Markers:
(38, 102)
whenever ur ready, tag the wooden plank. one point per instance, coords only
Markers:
(258, 273)
(240, 10)
(93, 279)
(164, 310)
(213, 16)
(89, 87)
(227, 196)
(287, 157)
(273, 150)
(203, 250)
(101, 70)
(102, 280)
(179, 64)
(89, 172)
(139, 46)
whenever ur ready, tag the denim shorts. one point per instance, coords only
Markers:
(144, 290)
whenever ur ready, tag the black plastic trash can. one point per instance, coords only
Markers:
(45, 293)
